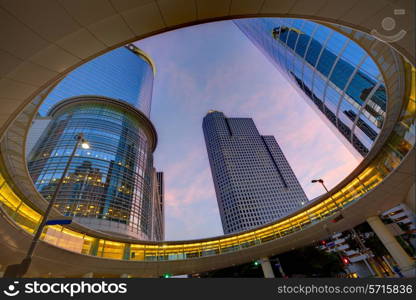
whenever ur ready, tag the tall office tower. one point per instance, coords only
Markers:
(125, 73)
(161, 192)
(253, 181)
(108, 187)
(158, 218)
(339, 79)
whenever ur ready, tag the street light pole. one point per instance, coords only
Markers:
(19, 270)
(321, 181)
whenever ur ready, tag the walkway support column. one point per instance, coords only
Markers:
(410, 200)
(88, 275)
(267, 267)
(404, 261)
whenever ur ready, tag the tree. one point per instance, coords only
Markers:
(311, 261)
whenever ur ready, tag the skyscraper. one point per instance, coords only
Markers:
(125, 73)
(108, 187)
(337, 77)
(253, 181)
(158, 207)
(112, 186)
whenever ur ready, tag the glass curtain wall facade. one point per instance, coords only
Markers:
(158, 225)
(253, 181)
(125, 73)
(109, 186)
(338, 77)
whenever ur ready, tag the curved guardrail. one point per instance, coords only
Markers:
(399, 144)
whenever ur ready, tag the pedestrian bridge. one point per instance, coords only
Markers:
(40, 44)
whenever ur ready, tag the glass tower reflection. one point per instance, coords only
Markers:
(125, 73)
(335, 74)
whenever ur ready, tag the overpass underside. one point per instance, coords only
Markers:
(63, 35)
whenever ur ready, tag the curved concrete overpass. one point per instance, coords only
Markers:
(380, 182)
(42, 40)
(57, 261)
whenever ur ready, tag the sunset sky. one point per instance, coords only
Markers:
(214, 66)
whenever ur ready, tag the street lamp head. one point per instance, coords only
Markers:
(317, 180)
(85, 145)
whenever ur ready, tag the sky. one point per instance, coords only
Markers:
(214, 66)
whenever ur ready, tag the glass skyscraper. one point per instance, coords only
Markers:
(108, 187)
(111, 187)
(158, 209)
(336, 75)
(125, 73)
(253, 181)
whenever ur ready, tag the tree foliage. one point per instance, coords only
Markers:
(305, 262)
(311, 262)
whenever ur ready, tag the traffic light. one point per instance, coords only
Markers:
(256, 263)
(345, 260)
(337, 218)
(167, 275)
(323, 243)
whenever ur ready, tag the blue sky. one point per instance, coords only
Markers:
(214, 66)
